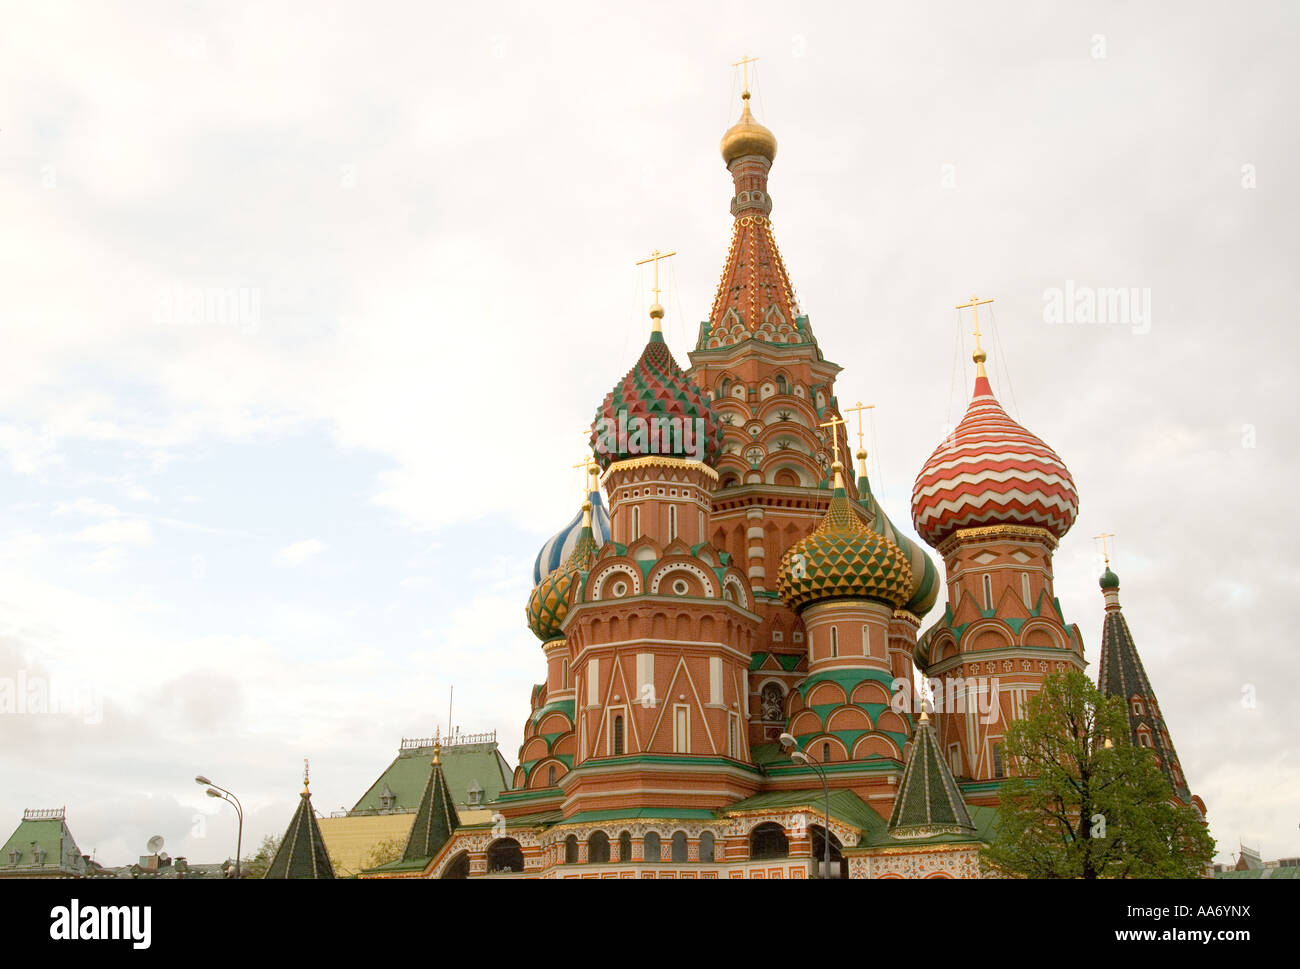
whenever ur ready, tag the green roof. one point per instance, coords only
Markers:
(846, 807)
(435, 819)
(42, 842)
(462, 764)
(302, 851)
(928, 801)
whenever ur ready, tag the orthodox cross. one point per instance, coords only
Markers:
(590, 464)
(1105, 550)
(979, 356)
(743, 64)
(654, 258)
(859, 407)
(835, 437)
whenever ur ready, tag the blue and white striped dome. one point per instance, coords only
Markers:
(560, 546)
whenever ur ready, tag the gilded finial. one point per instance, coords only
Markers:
(437, 744)
(306, 776)
(838, 468)
(656, 310)
(747, 136)
(979, 356)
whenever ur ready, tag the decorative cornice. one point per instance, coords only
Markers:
(658, 461)
(994, 532)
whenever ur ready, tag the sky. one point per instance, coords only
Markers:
(306, 308)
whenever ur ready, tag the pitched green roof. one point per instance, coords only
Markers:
(845, 806)
(463, 765)
(435, 819)
(928, 801)
(302, 851)
(42, 842)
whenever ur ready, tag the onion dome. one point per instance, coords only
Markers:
(925, 576)
(549, 603)
(843, 558)
(1109, 580)
(560, 546)
(991, 471)
(656, 410)
(747, 137)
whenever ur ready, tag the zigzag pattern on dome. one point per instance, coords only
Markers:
(991, 471)
(654, 393)
(925, 575)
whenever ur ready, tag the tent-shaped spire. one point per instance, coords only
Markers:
(1123, 675)
(929, 801)
(302, 851)
(436, 817)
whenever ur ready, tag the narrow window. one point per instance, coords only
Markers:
(733, 736)
(636, 522)
(706, 846)
(866, 640)
(571, 850)
(672, 522)
(679, 846)
(826, 753)
(564, 674)
(988, 592)
(681, 730)
(618, 736)
(997, 760)
(835, 641)
(651, 845)
(550, 776)
(625, 846)
(1024, 589)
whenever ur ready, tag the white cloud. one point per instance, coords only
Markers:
(300, 552)
(117, 531)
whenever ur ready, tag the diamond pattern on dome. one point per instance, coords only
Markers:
(843, 558)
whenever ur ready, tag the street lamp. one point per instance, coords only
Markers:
(214, 790)
(799, 757)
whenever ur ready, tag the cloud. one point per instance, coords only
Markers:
(299, 552)
(117, 531)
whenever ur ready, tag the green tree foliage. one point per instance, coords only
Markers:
(255, 866)
(1079, 807)
(382, 852)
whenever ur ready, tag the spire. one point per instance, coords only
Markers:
(436, 817)
(1122, 675)
(302, 851)
(755, 298)
(929, 801)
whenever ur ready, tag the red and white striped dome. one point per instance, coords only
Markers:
(991, 471)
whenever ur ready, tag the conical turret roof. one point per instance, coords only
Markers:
(302, 851)
(929, 801)
(436, 817)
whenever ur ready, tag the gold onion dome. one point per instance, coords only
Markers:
(747, 137)
(549, 604)
(844, 559)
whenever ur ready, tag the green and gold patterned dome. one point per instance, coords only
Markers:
(844, 559)
(549, 603)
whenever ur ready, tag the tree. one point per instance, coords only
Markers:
(382, 852)
(1084, 802)
(255, 866)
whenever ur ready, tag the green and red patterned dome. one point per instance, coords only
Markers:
(656, 410)
(844, 559)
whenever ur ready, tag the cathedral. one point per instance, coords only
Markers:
(730, 635)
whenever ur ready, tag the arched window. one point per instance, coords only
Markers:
(550, 776)
(636, 522)
(730, 481)
(458, 867)
(504, 854)
(1137, 707)
(618, 736)
(625, 846)
(835, 641)
(768, 841)
(826, 753)
(997, 760)
(781, 386)
(726, 387)
(988, 591)
(1024, 589)
(839, 868)
(866, 640)
(679, 846)
(706, 846)
(571, 850)
(598, 848)
(651, 848)
(672, 522)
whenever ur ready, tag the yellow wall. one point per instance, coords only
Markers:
(349, 841)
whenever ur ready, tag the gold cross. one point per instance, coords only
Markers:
(1105, 551)
(654, 258)
(743, 64)
(979, 355)
(859, 407)
(590, 465)
(835, 438)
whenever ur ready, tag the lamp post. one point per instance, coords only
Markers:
(225, 795)
(799, 757)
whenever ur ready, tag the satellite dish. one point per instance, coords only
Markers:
(155, 843)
